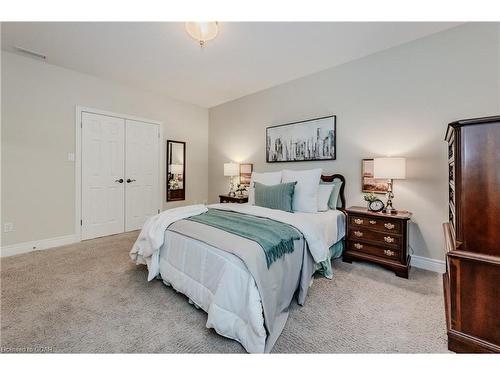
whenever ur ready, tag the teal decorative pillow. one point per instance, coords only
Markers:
(334, 196)
(278, 197)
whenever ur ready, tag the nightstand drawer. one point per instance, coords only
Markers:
(385, 239)
(382, 224)
(374, 250)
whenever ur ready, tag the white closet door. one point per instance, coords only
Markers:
(141, 173)
(103, 151)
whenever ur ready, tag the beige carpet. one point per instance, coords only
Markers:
(90, 298)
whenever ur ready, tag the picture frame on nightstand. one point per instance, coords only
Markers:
(369, 184)
(246, 170)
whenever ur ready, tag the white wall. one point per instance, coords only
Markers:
(396, 102)
(38, 131)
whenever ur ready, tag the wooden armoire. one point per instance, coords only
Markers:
(472, 236)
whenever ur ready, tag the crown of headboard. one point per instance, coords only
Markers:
(337, 177)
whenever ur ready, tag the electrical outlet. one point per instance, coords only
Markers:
(71, 156)
(8, 227)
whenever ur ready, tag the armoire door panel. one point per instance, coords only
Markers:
(103, 147)
(481, 207)
(479, 300)
(142, 173)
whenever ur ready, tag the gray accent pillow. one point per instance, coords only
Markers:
(278, 197)
(333, 202)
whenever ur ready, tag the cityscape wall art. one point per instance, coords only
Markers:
(307, 140)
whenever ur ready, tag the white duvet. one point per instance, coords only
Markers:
(218, 281)
(146, 248)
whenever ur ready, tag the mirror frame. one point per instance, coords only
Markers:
(169, 157)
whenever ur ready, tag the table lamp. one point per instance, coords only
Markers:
(231, 170)
(391, 169)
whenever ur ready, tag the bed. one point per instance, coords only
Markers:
(219, 271)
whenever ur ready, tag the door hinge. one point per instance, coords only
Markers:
(81, 222)
(158, 210)
(81, 124)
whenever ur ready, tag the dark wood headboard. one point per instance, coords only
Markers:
(337, 177)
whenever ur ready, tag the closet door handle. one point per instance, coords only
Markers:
(129, 180)
(120, 180)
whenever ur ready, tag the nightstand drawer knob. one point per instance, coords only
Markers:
(389, 253)
(358, 221)
(358, 246)
(373, 222)
(389, 239)
(358, 233)
(389, 225)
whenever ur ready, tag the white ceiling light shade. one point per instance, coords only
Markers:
(202, 31)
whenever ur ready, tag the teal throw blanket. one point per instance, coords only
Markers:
(275, 238)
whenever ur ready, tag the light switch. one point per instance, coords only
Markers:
(71, 156)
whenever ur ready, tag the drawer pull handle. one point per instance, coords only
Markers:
(389, 253)
(389, 239)
(373, 222)
(358, 221)
(358, 246)
(358, 233)
(389, 225)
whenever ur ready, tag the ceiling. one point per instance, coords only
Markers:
(246, 57)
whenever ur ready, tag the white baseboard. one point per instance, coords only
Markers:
(26, 247)
(428, 264)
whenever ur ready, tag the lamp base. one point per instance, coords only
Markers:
(231, 193)
(388, 207)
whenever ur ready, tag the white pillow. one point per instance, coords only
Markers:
(305, 197)
(324, 192)
(267, 178)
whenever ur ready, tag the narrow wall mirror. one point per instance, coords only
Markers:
(176, 171)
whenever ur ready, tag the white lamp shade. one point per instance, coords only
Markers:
(176, 168)
(393, 168)
(231, 169)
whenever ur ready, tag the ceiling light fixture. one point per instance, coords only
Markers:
(202, 31)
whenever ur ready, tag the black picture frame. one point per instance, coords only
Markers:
(275, 157)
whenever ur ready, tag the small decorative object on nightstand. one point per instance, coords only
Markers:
(379, 238)
(224, 198)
